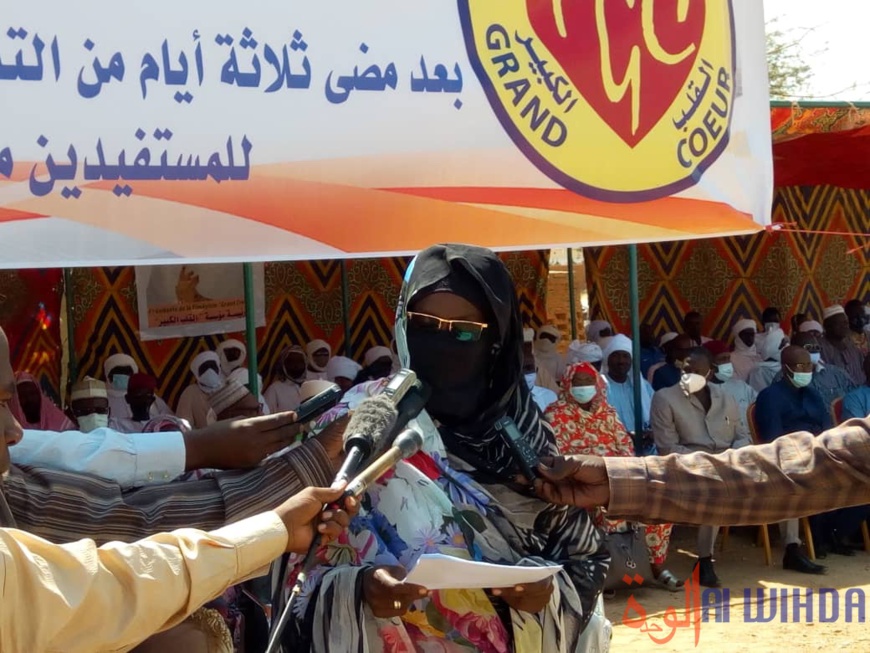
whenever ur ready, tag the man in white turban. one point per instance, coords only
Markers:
(118, 369)
(584, 352)
(290, 373)
(769, 351)
(342, 371)
(232, 354)
(243, 376)
(194, 405)
(745, 356)
(616, 368)
(318, 353)
(543, 377)
(546, 353)
(599, 332)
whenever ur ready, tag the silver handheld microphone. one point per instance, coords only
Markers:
(404, 446)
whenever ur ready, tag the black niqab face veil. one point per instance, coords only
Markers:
(474, 384)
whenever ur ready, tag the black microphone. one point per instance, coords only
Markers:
(404, 446)
(371, 423)
(410, 406)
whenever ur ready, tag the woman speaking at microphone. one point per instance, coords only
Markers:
(458, 327)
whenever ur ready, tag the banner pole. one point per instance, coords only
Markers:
(251, 329)
(634, 307)
(73, 364)
(572, 303)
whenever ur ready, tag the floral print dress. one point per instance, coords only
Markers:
(599, 432)
(431, 503)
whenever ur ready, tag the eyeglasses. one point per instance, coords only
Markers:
(462, 330)
(813, 348)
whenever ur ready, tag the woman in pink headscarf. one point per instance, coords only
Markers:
(34, 410)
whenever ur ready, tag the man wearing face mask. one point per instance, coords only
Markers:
(194, 405)
(829, 381)
(118, 369)
(723, 375)
(787, 406)
(695, 415)
(543, 397)
(89, 402)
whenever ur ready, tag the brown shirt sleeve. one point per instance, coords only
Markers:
(795, 476)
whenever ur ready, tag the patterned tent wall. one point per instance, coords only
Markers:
(303, 302)
(30, 308)
(729, 278)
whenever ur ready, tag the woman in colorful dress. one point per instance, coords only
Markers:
(458, 326)
(584, 423)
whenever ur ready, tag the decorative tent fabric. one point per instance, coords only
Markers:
(30, 308)
(303, 302)
(822, 171)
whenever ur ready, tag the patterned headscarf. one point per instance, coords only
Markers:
(478, 442)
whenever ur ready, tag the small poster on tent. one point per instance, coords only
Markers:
(182, 301)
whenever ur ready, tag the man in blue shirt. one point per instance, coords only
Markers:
(677, 350)
(787, 406)
(829, 381)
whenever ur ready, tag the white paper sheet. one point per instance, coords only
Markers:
(435, 571)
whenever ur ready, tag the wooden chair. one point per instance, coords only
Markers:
(763, 534)
(837, 411)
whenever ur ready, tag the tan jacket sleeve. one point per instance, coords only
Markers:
(80, 598)
(794, 476)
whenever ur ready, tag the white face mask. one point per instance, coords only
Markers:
(120, 381)
(725, 371)
(92, 422)
(530, 378)
(584, 393)
(210, 381)
(692, 383)
(816, 357)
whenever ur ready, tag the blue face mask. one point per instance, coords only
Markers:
(800, 379)
(120, 381)
(584, 393)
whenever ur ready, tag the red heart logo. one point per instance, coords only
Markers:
(648, 48)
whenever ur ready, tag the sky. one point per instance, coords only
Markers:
(834, 43)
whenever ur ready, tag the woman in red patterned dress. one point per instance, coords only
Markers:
(584, 423)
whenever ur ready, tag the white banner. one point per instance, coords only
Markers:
(181, 301)
(162, 131)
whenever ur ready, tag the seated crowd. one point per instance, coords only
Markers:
(699, 394)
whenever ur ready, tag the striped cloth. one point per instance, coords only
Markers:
(64, 507)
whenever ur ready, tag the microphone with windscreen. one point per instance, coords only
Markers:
(367, 431)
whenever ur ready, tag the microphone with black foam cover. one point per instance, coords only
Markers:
(406, 444)
(410, 406)
(367, 432)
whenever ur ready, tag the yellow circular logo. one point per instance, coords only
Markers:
(619, 100)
